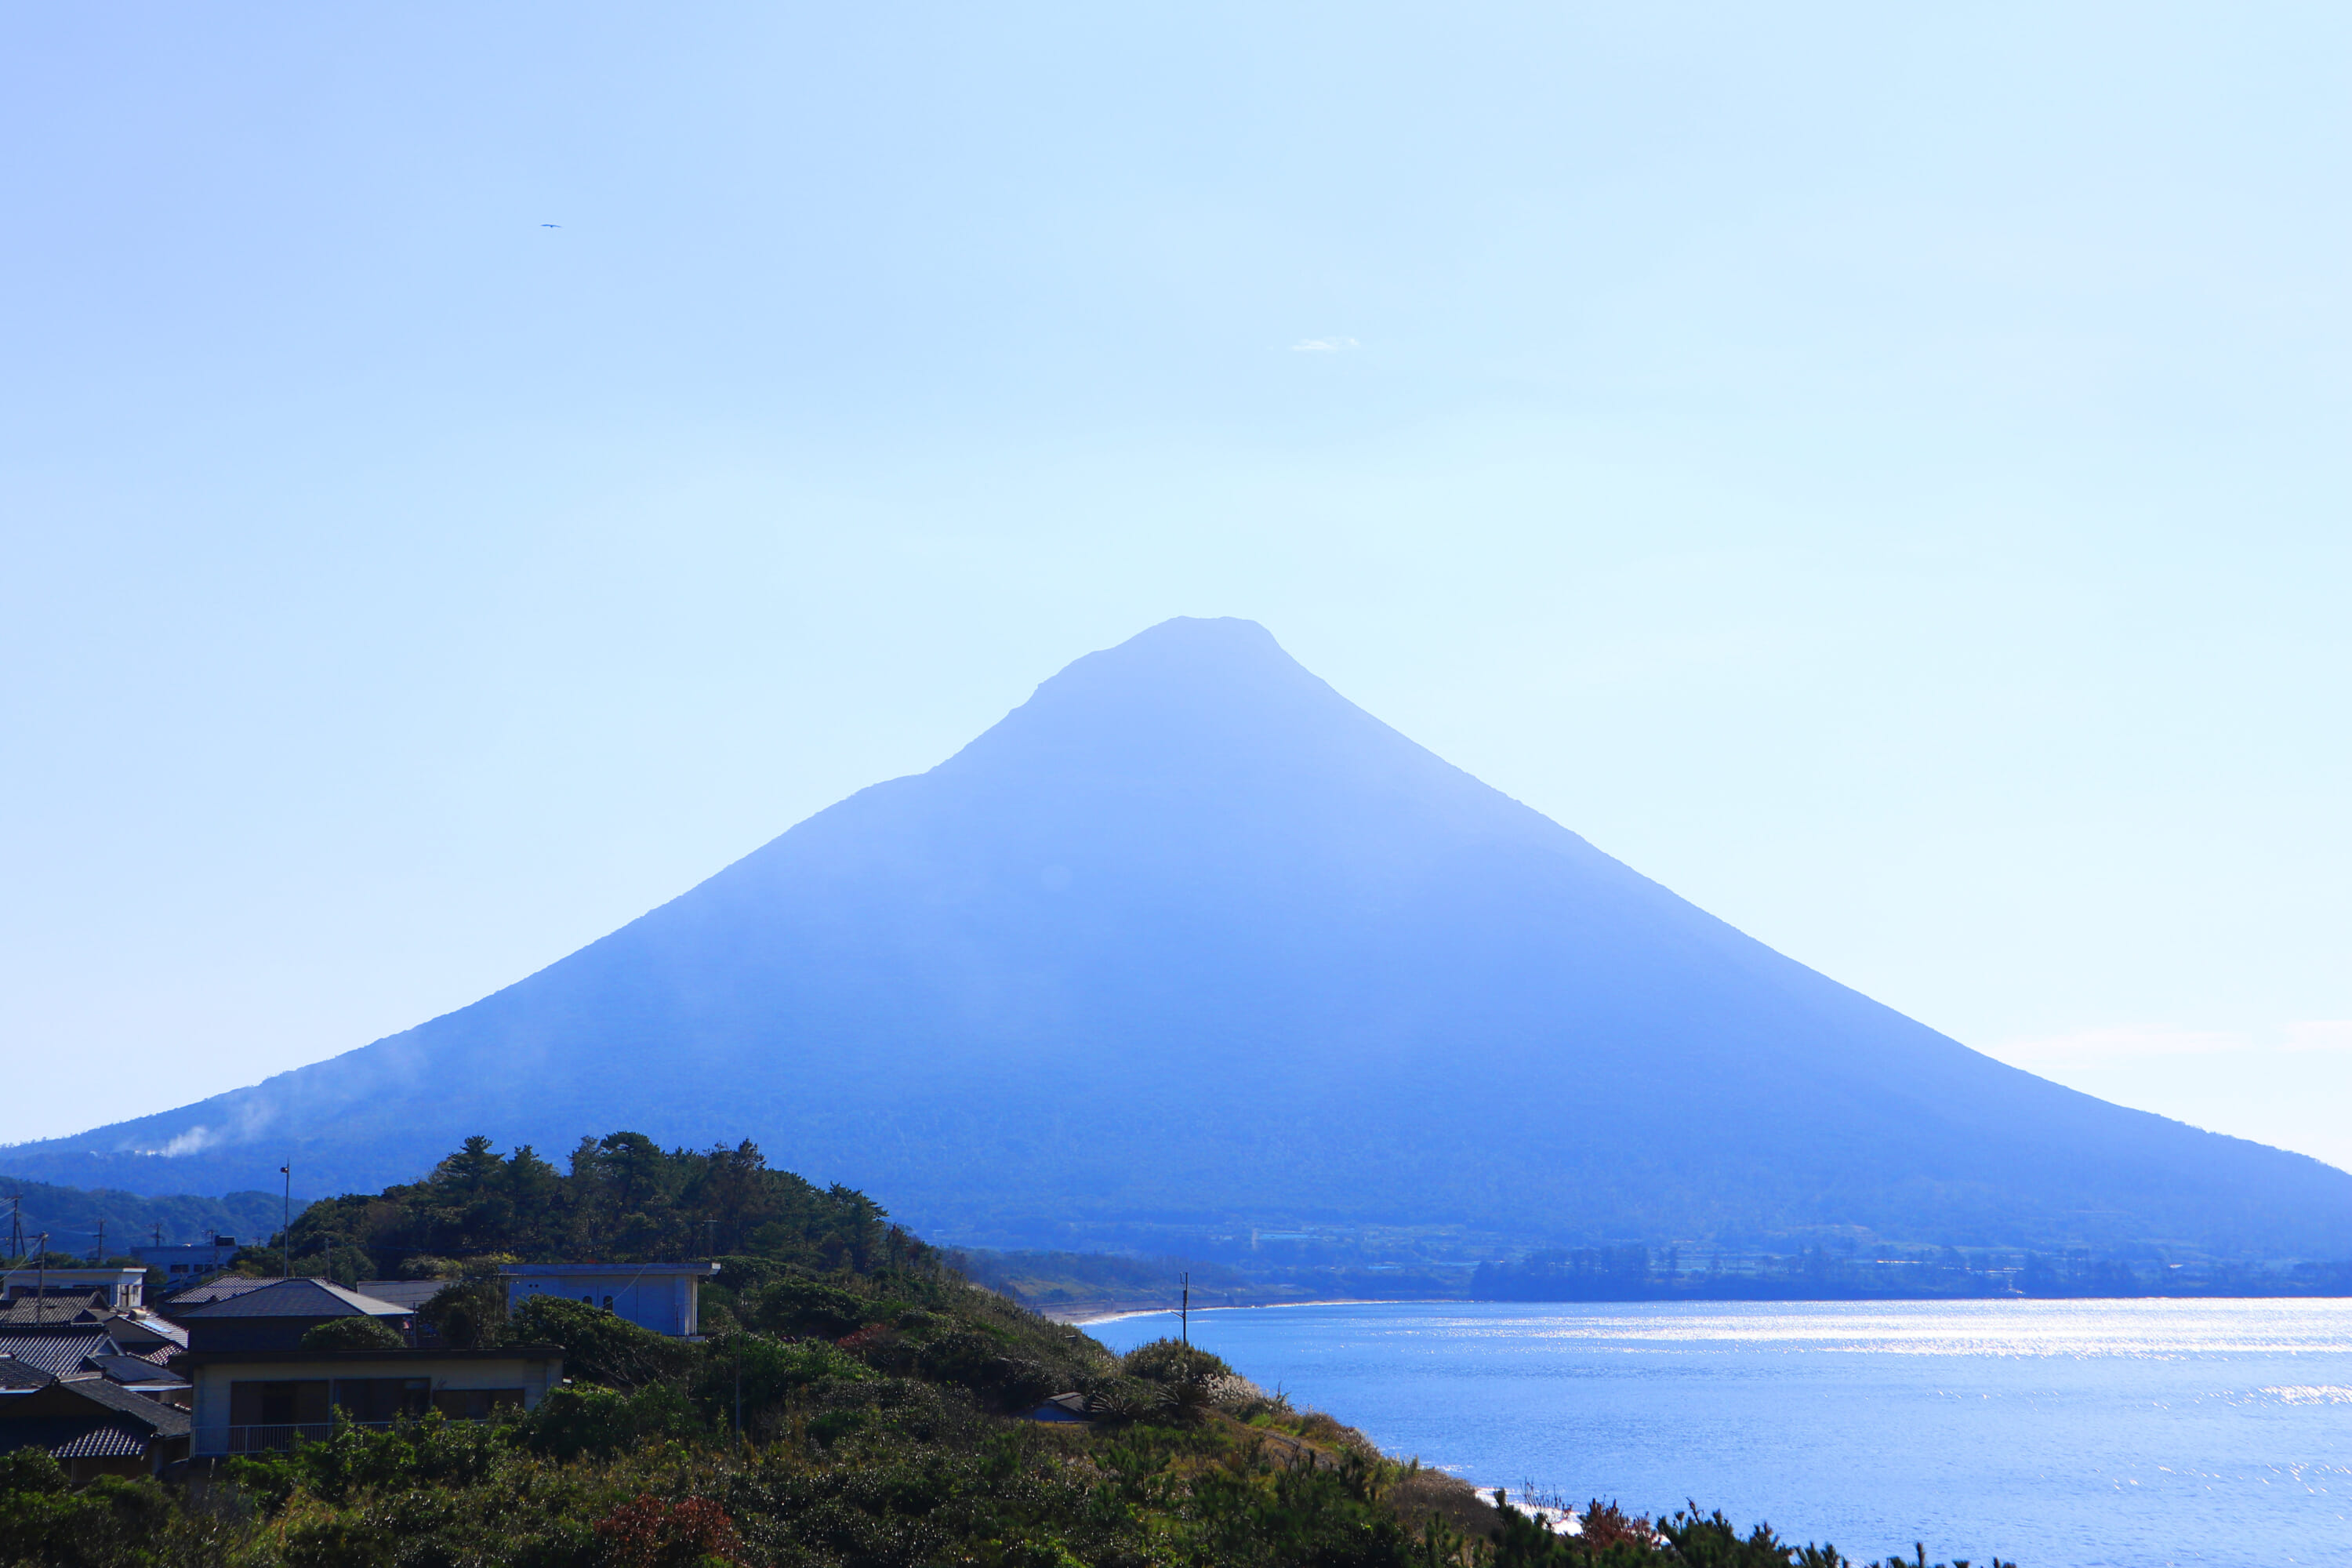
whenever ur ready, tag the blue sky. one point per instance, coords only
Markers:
(1882, 475)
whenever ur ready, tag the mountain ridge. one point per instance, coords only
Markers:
(1187, 939)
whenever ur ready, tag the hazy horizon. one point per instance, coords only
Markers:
(1879, 476)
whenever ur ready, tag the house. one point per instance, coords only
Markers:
(664, 1296)
(275, 1314)
(124, 1289)
(182, 1262)
(95, 1427)
(207, 1291)
(410, 1293)
(252, 1401)
(19, 1377)
(127, 1349)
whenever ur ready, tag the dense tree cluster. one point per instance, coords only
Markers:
(621, 1198)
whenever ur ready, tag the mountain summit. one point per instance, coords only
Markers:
(1188, 941)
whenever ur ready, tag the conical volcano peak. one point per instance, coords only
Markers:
(1188, 944)
(1186, 693)
(1224, 658)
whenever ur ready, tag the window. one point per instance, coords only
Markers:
(608, 1303)
(277, 1403)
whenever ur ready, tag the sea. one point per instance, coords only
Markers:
(2053, 1433)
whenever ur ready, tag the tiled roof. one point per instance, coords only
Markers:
(219, 1289)
(58, 1354)
(296, 1299)
(33, 1312)
(105, 1441)
(169, 1419)
(15, 1374)
(91, 1436)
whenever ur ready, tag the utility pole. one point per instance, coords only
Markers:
(159, 1233)
(16, 1224)
(102, 1241)
(41, 1283)
(1184, 1313)
(286, 1224)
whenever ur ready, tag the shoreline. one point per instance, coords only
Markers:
(1111, 1313)
(1081, 1314)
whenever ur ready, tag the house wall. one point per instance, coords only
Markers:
(124, 1288)
(214, 1413)
(665, 1303)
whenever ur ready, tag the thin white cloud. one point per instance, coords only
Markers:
(1325, 345)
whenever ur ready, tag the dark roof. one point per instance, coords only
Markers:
(219, 1289)
(144, 1330)
(17, 1374)
(58, 1354)
(92, 1398)
(169, 1419)
(134, 1369)
(296, 1299)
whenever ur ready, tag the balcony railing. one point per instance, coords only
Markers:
(260, 1439)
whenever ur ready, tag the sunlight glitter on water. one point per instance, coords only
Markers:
(2057, 1434)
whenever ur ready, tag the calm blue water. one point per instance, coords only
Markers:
(2060, 1433)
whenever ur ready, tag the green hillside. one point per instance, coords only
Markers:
(75, 1218)
(856, 1403)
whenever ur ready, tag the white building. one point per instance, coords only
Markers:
(124, 1288)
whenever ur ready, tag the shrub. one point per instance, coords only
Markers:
(1172, 1361)
(651, 1533)
(570, 1422)
(109, 1522)
(469, 1314)
(599, 1345)
(353, 1334)
(805, 1307)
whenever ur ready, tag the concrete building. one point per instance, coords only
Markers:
(124, 1288)
(664, 1296)
(181, 1262)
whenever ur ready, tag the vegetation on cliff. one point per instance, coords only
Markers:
(855, 1404)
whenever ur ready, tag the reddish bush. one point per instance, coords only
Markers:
(866, 1339)
(1605, 1524)
(651, 1533)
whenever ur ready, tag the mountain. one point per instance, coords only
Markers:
(76, 1222)
(1190, 941)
